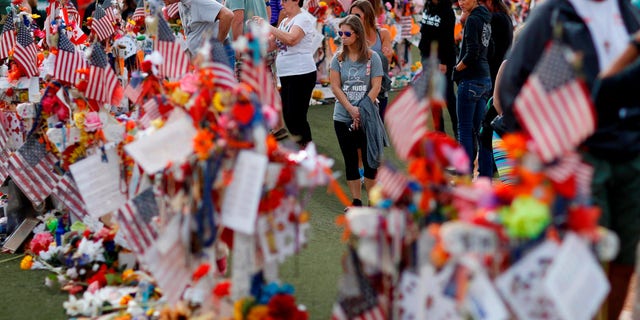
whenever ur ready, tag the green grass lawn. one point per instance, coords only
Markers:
(314, 272)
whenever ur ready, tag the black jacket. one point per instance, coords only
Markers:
(475, 45)
(502, 36)
(437, 24)
(615, 138)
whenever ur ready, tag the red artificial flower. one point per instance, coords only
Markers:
(40, 242)
(201, 271)
(283, 307)
(583, 219)
(243, 112)
(222, 289)
(99, 276)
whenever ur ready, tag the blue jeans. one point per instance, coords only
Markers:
(472, 99)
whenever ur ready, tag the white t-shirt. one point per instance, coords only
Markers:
(298, 59)
(199, 21)
(606, 26)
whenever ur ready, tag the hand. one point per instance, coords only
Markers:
(355, 115)
(443, 68)
(257, 20)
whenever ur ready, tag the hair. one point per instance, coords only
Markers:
(300, 3)
(498, 6)
(378, 8)
(369, 19)
(442, 4)
(360, 44)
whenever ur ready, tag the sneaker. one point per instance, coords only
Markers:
(354, 203)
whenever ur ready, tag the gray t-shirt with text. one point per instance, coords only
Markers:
(356, 81)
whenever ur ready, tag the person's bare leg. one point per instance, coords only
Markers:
(619, 277)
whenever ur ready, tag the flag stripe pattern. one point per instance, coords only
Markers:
(554, 106)
(133, 92)
(393, 183)
(102, 80)
(173, 10)
(8, 40)
(25, 53)
(176, 62)
(139, 13)
(67, 192)
(170, 270)
(565, 167)
(32, 168)
(134, 220)
(584, 176)
(68, 60)
(101, 25)
(260, 78)
(151, 112)
(108, 9)
(407, 121)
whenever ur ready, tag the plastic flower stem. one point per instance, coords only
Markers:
(11, 259)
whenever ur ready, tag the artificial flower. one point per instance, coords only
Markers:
(259, 312)
(201, 271)
(40, 242)
(203, 143)
(26, 262)
(283, 307)
(222, 289)
(526, 218)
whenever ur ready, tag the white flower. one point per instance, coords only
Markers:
(76, 307)
(51, 252)
(72, 273)
(93, 249)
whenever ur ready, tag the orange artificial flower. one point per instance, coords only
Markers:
(203, 143)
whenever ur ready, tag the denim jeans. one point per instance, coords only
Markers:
(472, 99)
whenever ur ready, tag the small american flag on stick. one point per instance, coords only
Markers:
(102, 80)
(406, 118)
(4, 152)
(67, 192)
(134, 220)
(139, 13)
(108, 9)
(151, 112)
(176, 62)
(173, 10)
(68, 60)
(102, 25)
(393, 182)
(260, 79)
(554, 106)
(25, 53)
(32, 168)
(8, 40)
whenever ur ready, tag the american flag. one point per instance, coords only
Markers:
(584, 177)
(108, 8)
(25, 53)
(554, 106)
(564, 168)
(32, 168)
(260, 78)
(66, 191)
(173, 10)
(139, 13)
(364, 306)
(176, 62)
(68, 60)
(101, 25)
(170, 269)
(8, 40)
(223, 74)
(406, 118)
(134, 220)
(393, 182)
(133, 92)
(102, 80)
(151, 112)
(405, 24)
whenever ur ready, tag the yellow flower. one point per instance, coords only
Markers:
(179, 97)
(217, 102)
(258, 313)
(125, 300)
(26, 262)
(127, 274)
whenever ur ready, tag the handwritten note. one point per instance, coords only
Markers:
(173, 143)
(521, 285)
(241, 199)
(575, 280)
(99, 182)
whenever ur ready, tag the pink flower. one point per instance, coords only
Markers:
(40, 242)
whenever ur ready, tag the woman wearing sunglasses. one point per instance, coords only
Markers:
(356, 72)
(295, 66)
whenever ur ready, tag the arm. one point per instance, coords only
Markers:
(376, 84)
(237, 23)
(290, 38)
(376, 76)
(496, 99)
(630, 54)
(225, 17)
(385, 38)
(472, 43)
(336, 88)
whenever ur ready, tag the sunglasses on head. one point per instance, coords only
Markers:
(345, 33)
